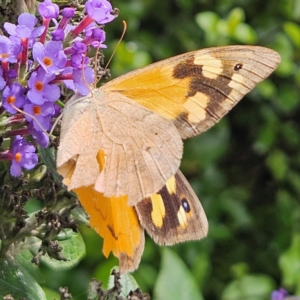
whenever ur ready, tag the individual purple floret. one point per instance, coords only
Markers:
(39, 88)
(23, 156)
(13, 95)
(51, 57)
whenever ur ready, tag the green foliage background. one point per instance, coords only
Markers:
(245, 170)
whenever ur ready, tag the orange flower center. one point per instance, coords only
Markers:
(18, 157)
(11, 99)
(36, 110)
(39, 86)
(47, 61)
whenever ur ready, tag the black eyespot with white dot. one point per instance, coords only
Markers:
(238, 67)
(185, 204)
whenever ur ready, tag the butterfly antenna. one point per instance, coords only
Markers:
(115, 49)
(55, 123)
(83, 77)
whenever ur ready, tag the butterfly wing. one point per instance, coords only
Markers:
(138, 119)
(118, 146)
(118, 225)
(174, 214)
(195, 90)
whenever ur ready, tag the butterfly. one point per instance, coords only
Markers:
(121, 147)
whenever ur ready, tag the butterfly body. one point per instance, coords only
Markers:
(123, 143)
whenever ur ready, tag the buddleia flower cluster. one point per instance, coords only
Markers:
(39, 56)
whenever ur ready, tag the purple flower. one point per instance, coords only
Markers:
(99, 10)
(11, 74)
(42, 114)
(78, 61)
(81, 80)
(95, 37)
(2, 81)
(79, 47)
(48, 10)
(67, 14)
(39, 88)
(8, 51)
(13, 94)
(40, 136)
(25, 29)
(51, 57)
(23, 155)
(279, 295)
(57, 110)
(58, 35)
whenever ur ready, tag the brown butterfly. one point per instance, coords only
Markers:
(121, 147)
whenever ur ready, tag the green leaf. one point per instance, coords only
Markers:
(207, 21)
(51, 294)
(278, 164)
(267, 89)
(288, 99)
(129, 57)
(293, 31)
(24, 259)
(245, 34)
(16, 281)
(289, 263)
(175, 281)
(250, 287)
(48, 157)
(127, 281)
(73, 250)
(235, 17)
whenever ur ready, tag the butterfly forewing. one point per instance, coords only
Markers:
(195, 90)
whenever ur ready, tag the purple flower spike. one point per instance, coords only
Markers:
(23, 155)
(99, 10)
(13, 94)
(51, 57)
(48, 10)
(39, 88)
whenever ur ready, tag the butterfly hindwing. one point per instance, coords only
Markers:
(174, 214)
(118, 225)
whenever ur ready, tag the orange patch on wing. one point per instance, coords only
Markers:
(155, 89)
(117, 223)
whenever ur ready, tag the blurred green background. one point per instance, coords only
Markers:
(245, 170)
